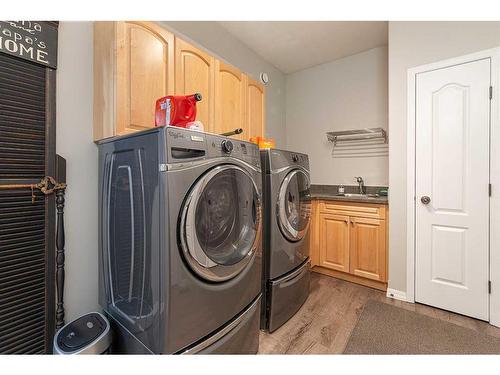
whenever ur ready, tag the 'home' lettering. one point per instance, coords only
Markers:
(23, 51)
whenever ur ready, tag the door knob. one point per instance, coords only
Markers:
(425, 199)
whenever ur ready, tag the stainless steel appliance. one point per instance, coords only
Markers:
(180, 242)
(287, 211)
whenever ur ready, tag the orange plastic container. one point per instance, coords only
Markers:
(176, 110)
(263, 142)
(267, 143)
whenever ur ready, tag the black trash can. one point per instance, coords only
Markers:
(89, 334)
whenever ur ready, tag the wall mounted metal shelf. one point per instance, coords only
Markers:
(356, 135)
(367, 142)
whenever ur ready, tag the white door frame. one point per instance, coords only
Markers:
(494, 55)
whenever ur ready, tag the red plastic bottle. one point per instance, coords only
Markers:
(176, 110)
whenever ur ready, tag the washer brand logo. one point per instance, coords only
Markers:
(175, 134)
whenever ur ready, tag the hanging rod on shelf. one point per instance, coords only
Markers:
(357, 135)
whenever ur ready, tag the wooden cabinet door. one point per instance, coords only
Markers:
(314, 234)
(195, 72)
(368, 248)
(230, 89)
(255, 114)
(144, 73)
(334, 242)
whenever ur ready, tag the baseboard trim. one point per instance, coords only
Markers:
(351, 278)
(396, 294)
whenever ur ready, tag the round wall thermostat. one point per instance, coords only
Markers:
(264, 78)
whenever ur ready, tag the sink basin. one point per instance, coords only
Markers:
(354, 195)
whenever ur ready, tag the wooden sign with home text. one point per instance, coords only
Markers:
(35, 41)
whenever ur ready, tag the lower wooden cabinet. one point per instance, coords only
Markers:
(368, 248)
(349, 241)
(334, 242)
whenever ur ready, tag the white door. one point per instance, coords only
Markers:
(452, 188)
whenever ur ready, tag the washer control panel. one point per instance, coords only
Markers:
(223, 146)
(185, 145)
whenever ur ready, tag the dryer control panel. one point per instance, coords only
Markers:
(274, 159)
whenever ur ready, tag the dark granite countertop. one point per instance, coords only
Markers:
(330, 192)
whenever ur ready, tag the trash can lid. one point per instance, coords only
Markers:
(81, 332)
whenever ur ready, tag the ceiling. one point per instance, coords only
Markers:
(295, 45)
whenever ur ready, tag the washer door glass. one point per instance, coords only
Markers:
(294, 205)
(221, 223)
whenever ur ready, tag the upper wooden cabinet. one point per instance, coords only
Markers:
(145, 72)
(230, 91)
(255, 109)
(135, 63)
(133, 67)
(195, 72)
(239, 102)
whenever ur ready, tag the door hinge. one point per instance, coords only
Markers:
(489, 189)
(491, 92)
(489, 286)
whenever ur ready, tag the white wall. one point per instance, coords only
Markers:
(74, 142)
(214, 38)
(412, 44)
(349, 93)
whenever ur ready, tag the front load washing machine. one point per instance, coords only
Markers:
(287, 213)
(180, 242)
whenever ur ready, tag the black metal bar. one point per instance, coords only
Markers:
(60, 274)
(50, 204)
(60, 240)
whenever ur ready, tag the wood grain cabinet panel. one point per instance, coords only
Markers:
(314, 234)
(145, 72)
(135, 63)
(334, 242)
(104, 79)
(367, 248)
(346, 245)
(195, 72)
(133, 67)
(354, 209)
(230, 91)
(255, 109)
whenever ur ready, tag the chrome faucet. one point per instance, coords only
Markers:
(361, 184)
